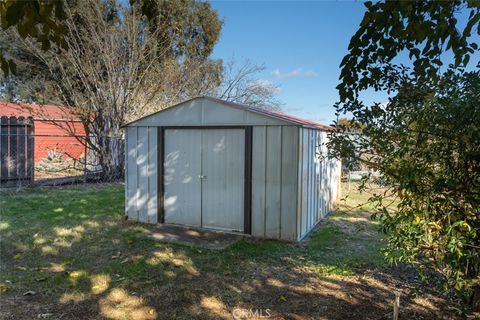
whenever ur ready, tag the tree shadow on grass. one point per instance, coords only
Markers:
(83, 261)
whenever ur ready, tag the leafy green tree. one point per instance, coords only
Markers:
(186, 32)
(40, 20)
(425, 139)
(191, 27)
(32, 81)
(423, 29)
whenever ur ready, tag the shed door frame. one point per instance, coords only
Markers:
(248, 171)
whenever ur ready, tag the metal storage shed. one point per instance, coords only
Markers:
(210, 163)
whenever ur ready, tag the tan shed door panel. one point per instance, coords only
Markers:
(223, 170)
(182, 169)
(205, 177)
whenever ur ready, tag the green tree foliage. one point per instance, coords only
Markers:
(32, 81)
(40, 20)
(423, 29)
(119, 64)
(433, 162)
(425, 140)
(186, 32)
(191, 28)
(114, 64)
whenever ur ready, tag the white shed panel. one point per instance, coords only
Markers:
(141, 176)
(320, 183)
(223, 179)
(206, 112)
(215, 164)
(274, 181)
(182, 186)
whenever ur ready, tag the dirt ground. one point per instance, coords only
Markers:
(94, 266)
(281, 293)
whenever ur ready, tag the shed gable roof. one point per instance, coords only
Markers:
(205, 110)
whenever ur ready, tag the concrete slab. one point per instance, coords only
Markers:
(209, 239)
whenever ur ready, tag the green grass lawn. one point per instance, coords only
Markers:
(69, 253)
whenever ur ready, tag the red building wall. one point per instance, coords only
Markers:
(55, 128)
(54, 137)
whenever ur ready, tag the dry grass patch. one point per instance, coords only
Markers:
(74, 252)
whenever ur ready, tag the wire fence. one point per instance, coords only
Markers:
(27, 158)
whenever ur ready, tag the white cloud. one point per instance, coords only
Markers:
(296, 73)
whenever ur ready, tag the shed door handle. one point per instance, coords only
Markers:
(202, 177)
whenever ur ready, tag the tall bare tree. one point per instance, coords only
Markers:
(232, 81)
(117, 64)
(116, 67)
(240, 84)
(106, 74)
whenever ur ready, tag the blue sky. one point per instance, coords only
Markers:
(301, 45)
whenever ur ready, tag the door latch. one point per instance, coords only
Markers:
(202, 177)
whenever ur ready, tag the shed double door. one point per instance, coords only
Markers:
(204, 176)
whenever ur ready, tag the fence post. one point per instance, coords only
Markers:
(30, 131)
(21, 151)
(4, 121)
(85, 163)
(13, 155)
(396, 306)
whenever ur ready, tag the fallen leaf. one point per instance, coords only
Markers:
(22, 268)
(74, 274)
(41, 279)
(417, 219)
(44, 315)
(4, 287)
(116, 256)
(282, 298)
(29, 293)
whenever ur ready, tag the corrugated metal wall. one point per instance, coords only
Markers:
(183, 188)
(201, 112)
(204, 178)
(274, 181)
(223, 168)
(319, 179)
(293, 186)
(141, 174)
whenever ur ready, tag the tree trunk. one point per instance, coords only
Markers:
(112, 159)
(476, 298)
